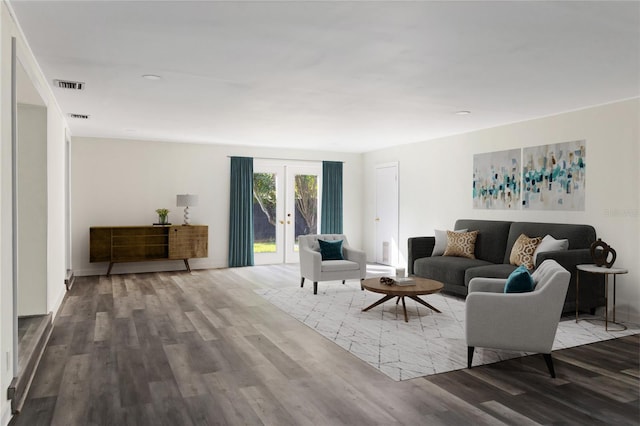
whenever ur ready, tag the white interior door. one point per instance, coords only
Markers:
(387, 245)
(285, 205)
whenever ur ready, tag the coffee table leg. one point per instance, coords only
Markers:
(373, 305)
(404, 308)
(417, 299)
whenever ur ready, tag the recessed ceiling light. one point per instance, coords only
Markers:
(151, 77)
(462, 112)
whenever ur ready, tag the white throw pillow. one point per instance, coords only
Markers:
(549, 243)
(441, 241)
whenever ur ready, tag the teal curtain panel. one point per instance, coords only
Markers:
(331, 197)
(241, 212)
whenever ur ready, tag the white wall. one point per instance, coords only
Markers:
(56, 126)
(123, 182)
(436, 178)
(56, 208)
(32, 210)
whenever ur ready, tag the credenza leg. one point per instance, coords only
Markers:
(109, 268)
(186, 263)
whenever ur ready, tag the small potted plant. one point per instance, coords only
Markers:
(163, 216)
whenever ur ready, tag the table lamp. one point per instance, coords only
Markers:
(186, 200)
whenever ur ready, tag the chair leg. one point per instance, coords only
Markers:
(470, 356)
(549, 361)
(315, 287)
(343, 281)
(361, 286)
(301, 282)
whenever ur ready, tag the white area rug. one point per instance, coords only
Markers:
(429, 343)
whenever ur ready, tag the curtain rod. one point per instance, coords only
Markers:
(281, 159)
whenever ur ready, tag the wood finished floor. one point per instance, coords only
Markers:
(204, 349)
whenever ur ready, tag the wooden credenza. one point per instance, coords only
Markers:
(116, 244)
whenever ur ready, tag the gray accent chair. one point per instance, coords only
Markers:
(517, 321)
(312, 267)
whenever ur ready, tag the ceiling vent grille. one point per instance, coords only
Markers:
(80, 116)
(67, 84)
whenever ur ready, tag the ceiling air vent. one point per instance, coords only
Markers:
(66, 84)
(80, 116)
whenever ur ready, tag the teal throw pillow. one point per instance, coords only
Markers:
(331, 250)
(520, 281)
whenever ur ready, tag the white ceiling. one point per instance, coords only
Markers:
(341, 76)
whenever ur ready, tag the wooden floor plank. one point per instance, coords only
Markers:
(72, 401)
(506, 414)
(203, 348)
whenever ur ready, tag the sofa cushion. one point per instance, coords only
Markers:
(338, 265)
(522, 251)
(492, 238)
(446, 269)
(579, 236)
(494, 270)
(461, 244)
(548, 244)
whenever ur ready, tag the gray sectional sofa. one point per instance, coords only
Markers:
(492, 250)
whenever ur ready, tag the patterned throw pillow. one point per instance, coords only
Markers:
(441, 241)
(522, 251)
(461, 244)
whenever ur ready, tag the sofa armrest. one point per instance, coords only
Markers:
(419, 247)
(310, 263)
(568, 259)
(490, 285)
(358, 256)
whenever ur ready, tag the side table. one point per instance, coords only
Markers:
(594, 269)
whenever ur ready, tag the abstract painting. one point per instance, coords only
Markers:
(553, 176)
(496, 180)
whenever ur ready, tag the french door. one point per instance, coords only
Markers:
(286, 200)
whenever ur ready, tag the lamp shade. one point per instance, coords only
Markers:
(186, 200)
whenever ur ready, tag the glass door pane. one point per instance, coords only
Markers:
(264, 212)
(268, 211)
(306, 206)
(302, 208)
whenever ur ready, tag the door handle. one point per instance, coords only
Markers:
(377, 219)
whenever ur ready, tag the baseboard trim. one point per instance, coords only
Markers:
(19, 387)
(69, 279)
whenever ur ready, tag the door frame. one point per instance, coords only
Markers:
(285, 171)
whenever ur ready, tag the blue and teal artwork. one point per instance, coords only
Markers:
(496, 180)
(553, 176)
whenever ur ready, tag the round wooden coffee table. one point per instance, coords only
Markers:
(419, 287)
